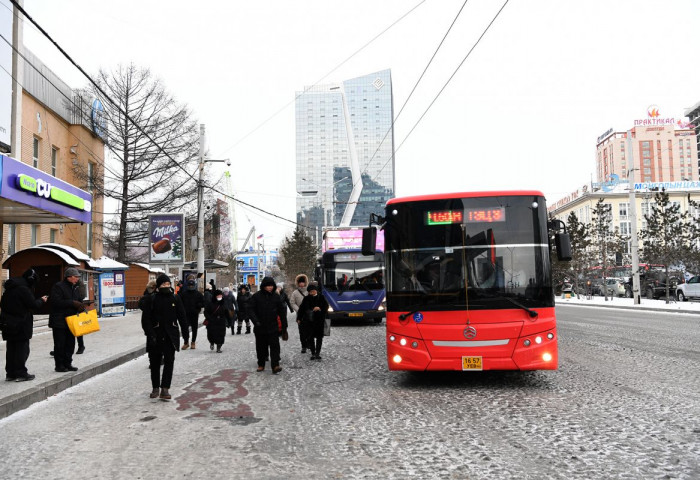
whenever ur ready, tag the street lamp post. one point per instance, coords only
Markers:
(200, 201)
(322, 191)
(634, 241)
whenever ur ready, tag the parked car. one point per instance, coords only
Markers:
(592, 286)
(689, 289)
(615, 287)
(653, 284)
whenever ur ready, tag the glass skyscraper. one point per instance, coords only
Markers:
(345, 147)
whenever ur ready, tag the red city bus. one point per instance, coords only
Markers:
(469, 284)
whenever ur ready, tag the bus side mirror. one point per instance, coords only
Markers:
(563, 244)
(369, 241)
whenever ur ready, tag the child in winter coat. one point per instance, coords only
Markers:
(312, 311)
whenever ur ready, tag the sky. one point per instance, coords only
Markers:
(522, 112)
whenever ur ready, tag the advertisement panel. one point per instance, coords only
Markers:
(112, 293)
(334, 239)
(166, 232)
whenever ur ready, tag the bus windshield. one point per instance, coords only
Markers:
(468, 254)
(352, 271)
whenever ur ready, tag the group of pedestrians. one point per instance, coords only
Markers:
(17, 308)
(165, 318)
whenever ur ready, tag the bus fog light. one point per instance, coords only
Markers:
(403, 342)
(550, 335)
(397, 358)
(330, 309)
(392, 338)
(538, 339)
(414, 344)
(526, 343)
(547, 357)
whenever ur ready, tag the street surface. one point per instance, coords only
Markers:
(623, 404)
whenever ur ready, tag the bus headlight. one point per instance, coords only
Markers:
(330, 309)
(538, 339)
(402, 342)
(381, 308)
(397, 359)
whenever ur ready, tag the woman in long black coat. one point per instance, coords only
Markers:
(312, 312)
(216, 315)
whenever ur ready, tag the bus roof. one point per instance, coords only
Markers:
(444, 196)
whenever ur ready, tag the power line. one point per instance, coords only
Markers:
(444, 86)
(138, 127)
(322, 78)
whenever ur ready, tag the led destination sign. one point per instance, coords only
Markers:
(472, 215)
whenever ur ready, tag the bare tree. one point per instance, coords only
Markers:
(150, 156)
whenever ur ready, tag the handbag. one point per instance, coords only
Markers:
(83, 323)
(326, 327)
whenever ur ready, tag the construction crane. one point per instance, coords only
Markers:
(232, 229)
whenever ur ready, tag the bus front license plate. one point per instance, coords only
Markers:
(471, 363)
(354, 314)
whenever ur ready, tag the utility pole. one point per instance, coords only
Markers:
(17, 81)
(634, 241)
(200, 201)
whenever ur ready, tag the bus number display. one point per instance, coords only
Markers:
(488, 215)
(444, 217)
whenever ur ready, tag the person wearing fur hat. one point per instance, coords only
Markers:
(313, 312)
(163, 311)
(264, 309)
(295, 300)
(207, 294)
(16, 317)
(65, 300)
(216, 318)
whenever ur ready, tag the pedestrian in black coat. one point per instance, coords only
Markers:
(216, 318)
(244, 297)
(17, 307)
(312, 311)
(193, 300)
(65, 300)
(231, 306)
(162, 312)
(207, 295)
(265, 308)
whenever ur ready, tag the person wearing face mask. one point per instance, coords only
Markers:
(312, 312)
(296, 298)
(216, 317)
(265, 308)
(17, 307)
(162, 312)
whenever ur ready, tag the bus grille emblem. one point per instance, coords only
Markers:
(469, 333)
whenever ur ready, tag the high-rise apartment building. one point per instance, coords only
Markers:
(693, 114)
(663, 149)
(344, 151)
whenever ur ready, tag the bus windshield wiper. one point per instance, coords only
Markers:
(357, 282)
(532, 313)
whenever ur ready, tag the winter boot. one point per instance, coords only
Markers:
(193, 346)
(185, 346)
(165, 394)
(238, 330)
(154, 393)
(247, 328)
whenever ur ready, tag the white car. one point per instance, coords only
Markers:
(689, 289)
(615, 286)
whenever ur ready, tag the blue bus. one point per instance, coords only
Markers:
(353, 284)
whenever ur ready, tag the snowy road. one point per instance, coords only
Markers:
(624, 404)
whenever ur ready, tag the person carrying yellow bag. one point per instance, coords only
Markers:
(65, 300)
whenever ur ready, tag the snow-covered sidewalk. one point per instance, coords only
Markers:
(619, 302)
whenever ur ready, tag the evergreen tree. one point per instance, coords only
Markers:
(666, 240)
(580, 247)
(298, 255)
(605, 241)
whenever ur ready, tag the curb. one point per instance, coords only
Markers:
(627, 307)
(41, 392)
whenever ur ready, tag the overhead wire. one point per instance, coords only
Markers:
(444, 86)
(138, 127)
(322, 78)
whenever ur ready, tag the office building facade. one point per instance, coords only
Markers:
(344, 151)
(693, 114)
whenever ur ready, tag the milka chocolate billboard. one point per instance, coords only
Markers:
(166, 238)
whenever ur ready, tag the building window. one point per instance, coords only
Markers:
(11, 239)
(250, 262)
(90, 174)
(53, 233)
(54, 160)
(624, 207)
(625, 228)
(35, 152)
(89, 239)
(35, 234)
